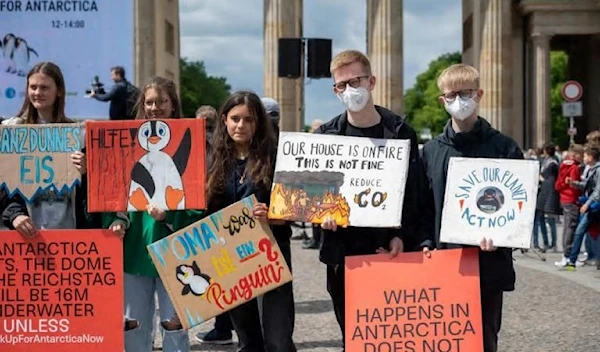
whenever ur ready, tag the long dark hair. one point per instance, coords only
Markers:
(261, 159)
(28, 111)
(161, 85)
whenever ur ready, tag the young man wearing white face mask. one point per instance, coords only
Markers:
(353, 83)
(468, 135)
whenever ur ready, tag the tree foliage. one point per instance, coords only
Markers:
(558, 62)
(198, 88)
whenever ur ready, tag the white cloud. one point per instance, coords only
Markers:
(228, 36)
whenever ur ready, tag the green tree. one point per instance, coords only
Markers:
(559, 62)
(421, 101)
(198, 88)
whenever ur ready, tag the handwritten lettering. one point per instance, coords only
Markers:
(237, 222)
(55, 139)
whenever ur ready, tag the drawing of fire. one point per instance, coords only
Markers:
(308, 196)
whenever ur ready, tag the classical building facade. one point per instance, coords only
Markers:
(157, 52)
(508, 41)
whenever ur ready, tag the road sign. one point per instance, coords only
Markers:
(572, 109)
(572, 131)
(572, 91)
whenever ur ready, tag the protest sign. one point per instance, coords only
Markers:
(414, 303)
(356, 181)
(219, 263)
(491, 198)
(139, 162)
(37, 158)
(61, 291)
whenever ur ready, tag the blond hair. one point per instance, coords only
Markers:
(349, 57)
(458, 74)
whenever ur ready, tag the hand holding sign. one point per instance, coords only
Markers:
(78, 159)
(260, 211)
(25, 226)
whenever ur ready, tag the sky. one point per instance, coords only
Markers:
(227, 35)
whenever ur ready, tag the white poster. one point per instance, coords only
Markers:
(84, 38)
(491, 198)
(356, 181)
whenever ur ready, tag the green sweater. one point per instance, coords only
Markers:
(143, 230)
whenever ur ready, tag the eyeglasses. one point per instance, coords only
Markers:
(160, 103)
(339, 87)
(464, 94)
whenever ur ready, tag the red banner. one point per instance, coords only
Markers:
(61, 291)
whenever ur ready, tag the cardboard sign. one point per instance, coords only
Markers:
(414, 303)
(61, 291)
(491, 198)
(135, 163)
(219, 263)
(356, 181)
(37, 158)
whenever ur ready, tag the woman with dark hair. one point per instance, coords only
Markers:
(548, 201)
(45, 104)
(242, 163)
(158, 100)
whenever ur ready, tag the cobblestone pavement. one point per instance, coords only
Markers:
(550, 310)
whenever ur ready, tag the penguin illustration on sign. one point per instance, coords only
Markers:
(192, 279)
(8, 50)
(156, 176)
(21, 56)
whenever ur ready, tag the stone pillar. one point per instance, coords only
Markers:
(496, 64)
(283, 18)
(144, 42)
(384, 48)
(541, 116)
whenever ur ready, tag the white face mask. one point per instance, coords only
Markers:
(460, 108)
(355, 99)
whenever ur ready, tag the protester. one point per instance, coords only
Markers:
(468, 135)
(209, 114)
(273, 112)
(122, 96)
(242, 163)
(353, 83)
(548, 200)
(158, 100)
(45, 104)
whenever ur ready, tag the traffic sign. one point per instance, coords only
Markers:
(572, 91)
(572, 109)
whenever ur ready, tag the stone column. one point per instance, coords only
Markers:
(384, 48)
(541, 116)
(283, 18)
(144, 42)
(496, 64)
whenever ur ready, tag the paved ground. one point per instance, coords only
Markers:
(550, 310)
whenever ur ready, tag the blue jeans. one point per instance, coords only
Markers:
(580, 232)
(140, 306)
(590, 248)
(551, 220)
(539, 224)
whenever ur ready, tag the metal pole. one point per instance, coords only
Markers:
(571, 126)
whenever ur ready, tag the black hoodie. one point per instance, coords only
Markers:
(483, 141)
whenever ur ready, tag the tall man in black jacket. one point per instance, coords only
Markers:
(354, 82)
(117, 95)
(468, 135)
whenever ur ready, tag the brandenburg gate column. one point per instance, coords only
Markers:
(541, 115)
(384, 48)
(283, 18)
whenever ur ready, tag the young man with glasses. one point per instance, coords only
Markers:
(468, 135)
(353, 83)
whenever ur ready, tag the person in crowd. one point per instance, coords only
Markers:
(242, 163)
(119, 96)
(273, 112)
(468, 135)
(548, 200)
(158, 100)
(353, 84)
(569, 169)
(45, 104)
(209, 114)
(590, 207)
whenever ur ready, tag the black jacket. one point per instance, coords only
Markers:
(548, 199)
(333, 245)
(496, 267)
(118, 100)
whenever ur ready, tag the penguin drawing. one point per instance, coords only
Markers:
(156, 176)
(21, 56)
(192, 279)
(8, 50)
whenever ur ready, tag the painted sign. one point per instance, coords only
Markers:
(54, 289)
(84, 38)
(219, 263)
(491, 198)
(139, 162)
(356, 181)
(413, 303)
(37, 158)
